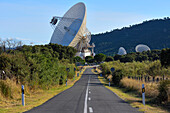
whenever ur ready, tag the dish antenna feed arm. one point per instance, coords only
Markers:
(55, 19)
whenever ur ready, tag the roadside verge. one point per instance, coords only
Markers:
(37, 98)
(131, 98)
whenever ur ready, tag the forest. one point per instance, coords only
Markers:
(154, 33)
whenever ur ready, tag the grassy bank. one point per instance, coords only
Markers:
(133, 98)
(35, 98)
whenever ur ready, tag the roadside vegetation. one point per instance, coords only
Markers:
(39, 68)
(130, 76)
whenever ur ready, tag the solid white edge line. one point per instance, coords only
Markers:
(85, 102)
(90, 109)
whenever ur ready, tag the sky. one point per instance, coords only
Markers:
(28, 20)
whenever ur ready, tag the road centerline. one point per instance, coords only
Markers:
(90, 109)
(85, 102)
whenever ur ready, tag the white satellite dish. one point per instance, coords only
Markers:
(70, 30)
(141, 48)
(122, 51)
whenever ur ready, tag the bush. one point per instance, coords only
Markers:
(89, 59)
(1, 50)
(100, 57)
(78, 59)
(105, 69)
(109, 58)
(117, 76)
(165, 57)
(163, 91)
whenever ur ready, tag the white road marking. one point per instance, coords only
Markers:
(85, 102)
(89, 92)
(90, 109)
(89, 98)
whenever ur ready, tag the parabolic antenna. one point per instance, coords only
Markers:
(71, 29)
(141, 48)
(122, 51)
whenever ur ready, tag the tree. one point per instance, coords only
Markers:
(9, 42)
(117, 57)
(109, 58)
(165, 57)
(89, 59)
(1, 46)
(1, 50)
(127, 58)
(78, 59)
(117, 76)
(4, 46)
(100, 57)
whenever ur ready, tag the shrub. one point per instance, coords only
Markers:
(100, 57)
(117, 76)
(165, 57)
(78, 59)
(163, 91)
(105, 69)
(109, 58)
(89, 59)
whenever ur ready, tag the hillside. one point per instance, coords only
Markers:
(154, 33)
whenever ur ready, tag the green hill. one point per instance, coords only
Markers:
(154, 33)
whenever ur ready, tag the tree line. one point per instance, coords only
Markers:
(39, 66)
(154, 33)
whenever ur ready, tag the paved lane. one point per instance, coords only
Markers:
(105, 101)
(88, 95)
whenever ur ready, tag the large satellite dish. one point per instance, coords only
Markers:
(122, 51)
(141, 48)
(70, 30)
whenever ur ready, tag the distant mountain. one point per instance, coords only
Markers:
(154, 33)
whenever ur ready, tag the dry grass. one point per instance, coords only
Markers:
(32, 98)
(132, 98)
(151, 89)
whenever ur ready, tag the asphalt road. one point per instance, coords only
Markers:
(88, 95)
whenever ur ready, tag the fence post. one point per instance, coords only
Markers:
(153, 79)
(157, 79)
(143, 94)
(66, 82)
(23, 99)
(148, 79)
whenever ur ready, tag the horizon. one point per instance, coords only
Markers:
(28, 21)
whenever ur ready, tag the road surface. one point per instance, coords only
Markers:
(88, 95)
